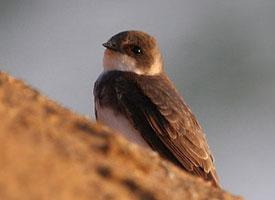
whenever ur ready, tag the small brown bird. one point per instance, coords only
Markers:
(134, 96)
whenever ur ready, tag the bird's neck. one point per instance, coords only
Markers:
(120, 62)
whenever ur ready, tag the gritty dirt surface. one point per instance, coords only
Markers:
(49, 152)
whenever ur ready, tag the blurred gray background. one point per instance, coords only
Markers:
(220, 54)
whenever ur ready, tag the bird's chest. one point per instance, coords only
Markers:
(120, 123)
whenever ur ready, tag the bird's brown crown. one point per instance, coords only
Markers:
(134, 51)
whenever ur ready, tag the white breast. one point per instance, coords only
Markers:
(119, 123)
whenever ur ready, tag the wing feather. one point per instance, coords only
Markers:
(186, 138)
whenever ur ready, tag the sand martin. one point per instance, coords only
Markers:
(134, 96)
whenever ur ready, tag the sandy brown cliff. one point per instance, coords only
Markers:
(48, 152)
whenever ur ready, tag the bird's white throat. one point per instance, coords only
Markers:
(122, 62)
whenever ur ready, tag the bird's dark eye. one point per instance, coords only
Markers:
(136, 50)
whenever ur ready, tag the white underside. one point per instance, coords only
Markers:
(119, 123)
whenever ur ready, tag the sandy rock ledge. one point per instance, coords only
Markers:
(49, 152)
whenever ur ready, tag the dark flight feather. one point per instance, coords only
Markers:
(157, 111)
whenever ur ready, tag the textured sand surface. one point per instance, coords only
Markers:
(49, 152)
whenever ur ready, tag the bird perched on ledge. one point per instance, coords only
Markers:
(134, 96)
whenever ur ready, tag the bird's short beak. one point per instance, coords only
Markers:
(110, 45)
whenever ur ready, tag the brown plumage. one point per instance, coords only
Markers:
(156, 110)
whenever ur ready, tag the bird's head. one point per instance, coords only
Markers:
(133, 51)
